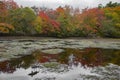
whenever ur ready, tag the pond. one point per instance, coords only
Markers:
(59, 59)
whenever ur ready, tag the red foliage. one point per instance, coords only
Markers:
(47, 57)
(46, 18)
(3, 10)
(11, 4)
(55, 23)
(5, 67)
(43, 15)
(6, 5)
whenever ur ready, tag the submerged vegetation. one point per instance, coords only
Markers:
(102, 21)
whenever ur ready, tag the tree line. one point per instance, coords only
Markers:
(101, 21)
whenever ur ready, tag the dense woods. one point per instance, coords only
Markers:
(102, 21)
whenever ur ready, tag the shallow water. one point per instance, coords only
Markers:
(59, 60)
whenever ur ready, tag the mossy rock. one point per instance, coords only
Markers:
(51, 65)
(52, 51)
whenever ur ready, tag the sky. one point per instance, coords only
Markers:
(56, 3)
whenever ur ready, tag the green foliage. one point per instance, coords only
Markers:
(111, 25)
(67, 28)
(64, 23)
(22, 19)
(108, 29)
(110, 4)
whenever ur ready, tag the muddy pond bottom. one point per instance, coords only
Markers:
(63, 64)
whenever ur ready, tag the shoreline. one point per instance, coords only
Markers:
(41, 38)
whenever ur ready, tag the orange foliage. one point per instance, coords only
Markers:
(60, 10)
(4, 27)
(91, 19)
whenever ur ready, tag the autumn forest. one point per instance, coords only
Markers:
(101, 21)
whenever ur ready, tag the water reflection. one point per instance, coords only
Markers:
(63, 62)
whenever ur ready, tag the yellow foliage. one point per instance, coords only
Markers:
(4, 30)
(118, 25)
(4, 27)
(38, 24)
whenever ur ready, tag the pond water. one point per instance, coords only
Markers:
(59, 60)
